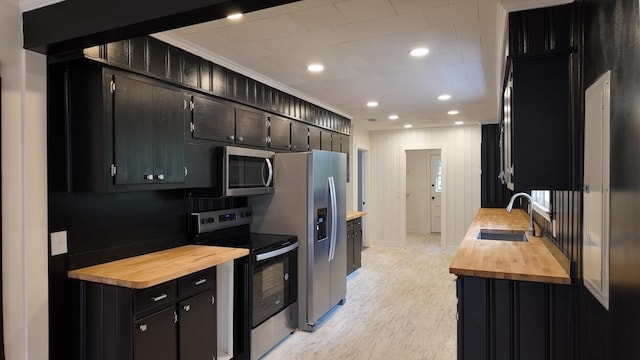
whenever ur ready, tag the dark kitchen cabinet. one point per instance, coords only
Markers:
(175, 320)
(314, 138)
(326, 141)
(537, 142)
(154, 336)
(197, 337)
(299, 136)
(354, 245)
(127, 132)
(507, 319)
(212, 119)
(280, 133)
(251, 128)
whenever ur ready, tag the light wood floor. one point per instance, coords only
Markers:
(400, 305)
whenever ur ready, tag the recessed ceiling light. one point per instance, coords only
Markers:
(372, 104)
(444, 97)
(459, 122)
(421, 51)
(408, 126)
(315, 67)
(235, 16)
(453, 112)
(393, 117)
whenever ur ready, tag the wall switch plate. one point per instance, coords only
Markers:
(58, 243)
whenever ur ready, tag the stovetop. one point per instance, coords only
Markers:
(230, 227)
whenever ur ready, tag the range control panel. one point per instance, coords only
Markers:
(220, 219)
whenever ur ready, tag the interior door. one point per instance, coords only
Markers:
(436, 192)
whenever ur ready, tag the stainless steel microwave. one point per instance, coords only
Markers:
(246, 171)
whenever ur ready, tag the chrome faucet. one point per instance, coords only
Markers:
(532, 229)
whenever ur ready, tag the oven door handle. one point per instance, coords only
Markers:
(274, 253)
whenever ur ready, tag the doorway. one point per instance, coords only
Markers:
(423, 191)
(362, 185)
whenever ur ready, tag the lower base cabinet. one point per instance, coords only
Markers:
(175, 320)
(354, 245)
(507, 319)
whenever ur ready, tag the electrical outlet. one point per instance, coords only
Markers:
(58, 243)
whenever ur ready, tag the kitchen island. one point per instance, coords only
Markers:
(514, 297)
(160, 305)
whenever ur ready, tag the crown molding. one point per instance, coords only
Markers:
(28, 5)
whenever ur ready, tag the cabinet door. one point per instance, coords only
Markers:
(250, 128)
(314, 138)
(280, 133)
(197, 333)
(350, 265)
(299, 136)
(326, 142)
(169, 111)
(357, 248)
(154, 337)
(213, 120)
(133, 131)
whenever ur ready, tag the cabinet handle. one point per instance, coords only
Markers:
(161, 177)
(158, 298)
(187, 307)
(240, 138)
(149, 177)
(143, 327)
(231, 137)
(200, 282)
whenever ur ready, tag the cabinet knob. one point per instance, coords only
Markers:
(231, 137)
(161, 177)
(187, 307)
(240, 138)
(143, 327)
(149, 177)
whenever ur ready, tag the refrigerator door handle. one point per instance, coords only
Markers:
(334, 217)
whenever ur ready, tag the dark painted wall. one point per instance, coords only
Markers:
(612, 41)
(493, 193)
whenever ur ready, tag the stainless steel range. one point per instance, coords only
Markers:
(266, 282)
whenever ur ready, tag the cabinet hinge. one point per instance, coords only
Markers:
(213, 299)
(175, 317)
(192, 105)
(193, 127)
(114, 170)
(112, 87)
(268, 123)
(268, 139)
(186, 171)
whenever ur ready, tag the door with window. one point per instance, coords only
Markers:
(436, 192)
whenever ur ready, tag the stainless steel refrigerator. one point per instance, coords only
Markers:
(309, 201)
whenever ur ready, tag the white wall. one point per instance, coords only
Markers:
(461, 182)
(359, 140)
(24, 192)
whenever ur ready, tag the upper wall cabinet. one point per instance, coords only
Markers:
(125, 132)
(540, 31)
(279, 133)
(538, 138)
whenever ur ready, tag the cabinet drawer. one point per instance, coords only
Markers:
(357, 223)
(196, 282)
(154, 298)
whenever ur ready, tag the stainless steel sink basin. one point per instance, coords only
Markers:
(503, 235)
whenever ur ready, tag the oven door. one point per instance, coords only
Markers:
(247, 171)
(274, 281)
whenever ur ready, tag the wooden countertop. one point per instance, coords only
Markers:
(151, 269)
(537, 260)
(355, 214)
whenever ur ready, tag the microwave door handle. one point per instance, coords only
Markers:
(270, 178)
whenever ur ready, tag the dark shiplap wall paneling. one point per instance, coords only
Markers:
(612, 42)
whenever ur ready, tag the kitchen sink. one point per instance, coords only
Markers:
(503, 235)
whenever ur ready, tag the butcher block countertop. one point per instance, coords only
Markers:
(151, 269)
(537, 260)
(351, 215)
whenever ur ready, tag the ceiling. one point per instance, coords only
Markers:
(364, 47)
